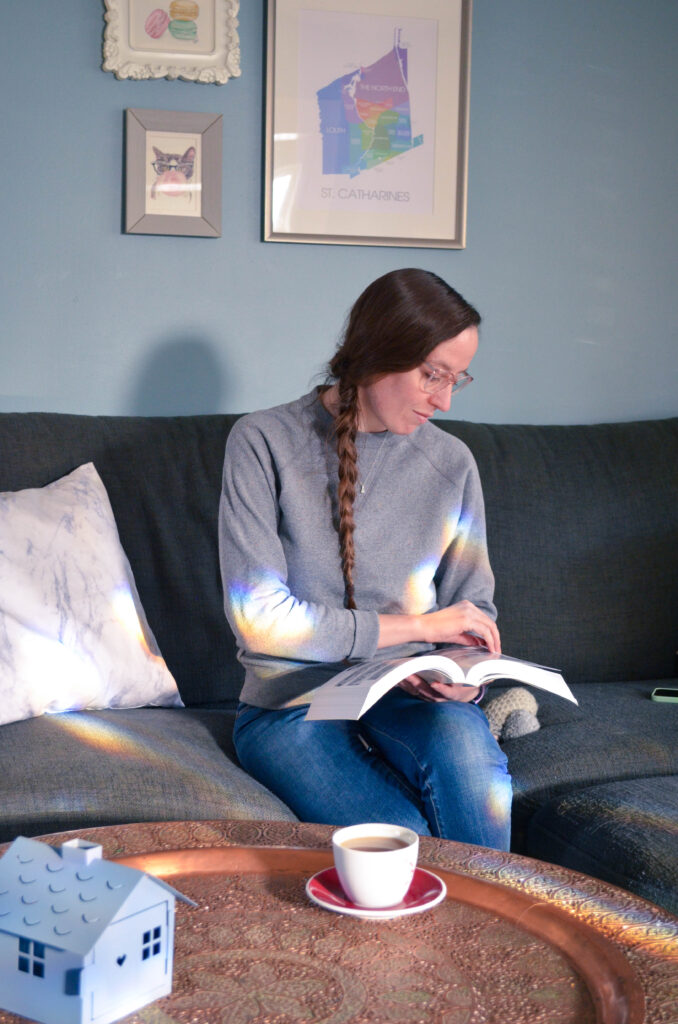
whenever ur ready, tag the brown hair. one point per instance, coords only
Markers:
(392, 327)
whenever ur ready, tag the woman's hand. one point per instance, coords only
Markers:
(461, 623)
(416, 686)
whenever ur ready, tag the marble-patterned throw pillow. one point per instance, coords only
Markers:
(73, 633)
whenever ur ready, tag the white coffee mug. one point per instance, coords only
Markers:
(375, 863)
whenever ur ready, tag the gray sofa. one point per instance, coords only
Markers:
(583, 537)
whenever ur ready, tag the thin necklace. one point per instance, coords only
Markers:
(370, 473)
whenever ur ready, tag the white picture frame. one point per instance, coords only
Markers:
(367, 110)
(196, 40)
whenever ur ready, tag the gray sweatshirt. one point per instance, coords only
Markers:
(419, 542)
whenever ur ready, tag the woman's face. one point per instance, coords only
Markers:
(398, 401)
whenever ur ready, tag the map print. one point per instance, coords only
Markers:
(365, 115)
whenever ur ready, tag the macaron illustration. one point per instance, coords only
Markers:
(181, 29)
(184, 10)
(156, 23)
(182, 24)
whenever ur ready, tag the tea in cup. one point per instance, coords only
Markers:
(375, 863)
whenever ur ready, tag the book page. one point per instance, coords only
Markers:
(352, 692)
(357, 688)
(480, 666)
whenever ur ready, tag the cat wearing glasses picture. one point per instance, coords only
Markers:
(173, 175)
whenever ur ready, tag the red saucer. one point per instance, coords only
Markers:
(425, 892)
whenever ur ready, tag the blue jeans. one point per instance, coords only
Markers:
(435, 768)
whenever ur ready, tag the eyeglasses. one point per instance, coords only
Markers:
(436, 379)
(163, 166)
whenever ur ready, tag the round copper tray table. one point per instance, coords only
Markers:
(516, 941)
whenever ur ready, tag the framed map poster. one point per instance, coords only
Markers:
(367, 122)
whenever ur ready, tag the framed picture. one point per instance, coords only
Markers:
(367, 122)
(192, 39)
(173, 173)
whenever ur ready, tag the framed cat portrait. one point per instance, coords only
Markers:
(172, 173)
(196, 40)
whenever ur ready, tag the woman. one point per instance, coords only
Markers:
(350, 528)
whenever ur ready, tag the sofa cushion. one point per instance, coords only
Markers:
(623, 832)
(582, 526)
(615, 734)
(163, 478)
(109, 767)
(73, 633)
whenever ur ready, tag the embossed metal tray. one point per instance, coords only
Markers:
(488, 952)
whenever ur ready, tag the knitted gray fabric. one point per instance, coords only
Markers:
(512, 714)
(519, 723)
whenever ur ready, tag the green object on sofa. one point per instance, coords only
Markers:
(583, 538)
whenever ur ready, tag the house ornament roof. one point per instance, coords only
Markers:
(65, 897)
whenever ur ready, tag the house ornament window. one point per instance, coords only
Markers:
(151, 944)
(32, 957)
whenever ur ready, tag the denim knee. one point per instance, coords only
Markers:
(450, 755)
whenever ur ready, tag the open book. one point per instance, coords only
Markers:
(352, 692)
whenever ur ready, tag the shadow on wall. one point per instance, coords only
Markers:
(181, 377)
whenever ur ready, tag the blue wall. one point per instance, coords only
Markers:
(572, 228)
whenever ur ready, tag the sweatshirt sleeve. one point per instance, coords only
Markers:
(262, 612)
(464, 572)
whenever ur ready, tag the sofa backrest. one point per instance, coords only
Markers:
(583, 538)
(582, 532)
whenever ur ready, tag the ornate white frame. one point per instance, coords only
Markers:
(127, 62)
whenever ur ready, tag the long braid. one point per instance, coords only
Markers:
(346, 428)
